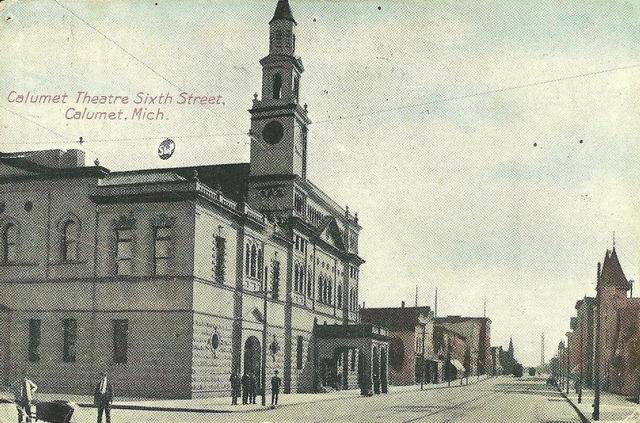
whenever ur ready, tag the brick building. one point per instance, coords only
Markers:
(451, 350)
(158, 275)
(411, 354)
(584, 332)
(477, 331)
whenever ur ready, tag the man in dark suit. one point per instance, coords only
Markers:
(275, 388)
(103, 397)
(235, 388)
(245, 388)
(252, 388)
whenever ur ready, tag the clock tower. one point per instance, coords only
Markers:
(278, 122)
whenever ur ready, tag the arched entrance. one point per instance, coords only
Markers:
(252, 354)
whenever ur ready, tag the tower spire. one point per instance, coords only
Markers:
(614, 240)
(283, 11)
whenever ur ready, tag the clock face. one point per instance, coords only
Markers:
(272, 132)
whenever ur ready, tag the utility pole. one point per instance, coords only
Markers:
(435, 311)
(581, 363)
(263, 376)
(596, 369)
(542, 350)
(416, 295)
(568, 364)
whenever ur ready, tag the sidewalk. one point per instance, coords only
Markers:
(223, 404)
(613, 408)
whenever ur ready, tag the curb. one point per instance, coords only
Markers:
(133, 407)
(583, 418)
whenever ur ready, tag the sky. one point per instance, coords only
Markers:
(490, 148)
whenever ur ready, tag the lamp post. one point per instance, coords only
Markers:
(422, 359)
(596, 365)
(581, 364)
(568, 363)
(448, 369)
(263, 372)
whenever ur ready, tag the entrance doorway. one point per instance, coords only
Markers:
(252, 353)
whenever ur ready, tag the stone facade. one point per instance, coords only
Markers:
(159, 275)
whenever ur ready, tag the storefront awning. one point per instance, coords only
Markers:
(457, 365)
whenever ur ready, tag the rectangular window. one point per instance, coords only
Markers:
(124, 252)
(69, 335)
(120, 338)
(218, 259)
(34, 340)
(299, 353)
(162, 253)
(275, 280)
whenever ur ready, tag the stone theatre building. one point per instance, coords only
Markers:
(157, 276)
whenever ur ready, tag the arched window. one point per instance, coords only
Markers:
(277, 86)
(309, 283)
(339, 296)
(254, 259)
(260, 263)
(70, 241)
(329, 292)
(10, 244)
(247, 259)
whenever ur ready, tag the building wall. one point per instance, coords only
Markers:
(158, 351)
(611, 301)
(405, 373)
(40, 228)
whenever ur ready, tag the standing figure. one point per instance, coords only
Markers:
(23, 391)
(235, 388)
(245, 388)
(103, 397)
(275, 388)
(252, 388)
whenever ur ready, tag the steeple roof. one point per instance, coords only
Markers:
(612, 273)
(283, 11)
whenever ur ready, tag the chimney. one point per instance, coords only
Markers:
(403, 304)
(72, 158)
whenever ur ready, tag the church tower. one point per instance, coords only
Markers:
(278, 122)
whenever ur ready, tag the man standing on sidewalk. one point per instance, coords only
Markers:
(275, 388)
(245, 388)
(252, 388)
(235, 388)
(23, 391)
(103, 397)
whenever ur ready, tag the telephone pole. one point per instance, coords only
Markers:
(542, 349)
(596, 364)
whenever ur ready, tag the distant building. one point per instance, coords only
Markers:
(507, 358)
(584, 332)
(477, 332)
(451, 349)
(411, 355)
